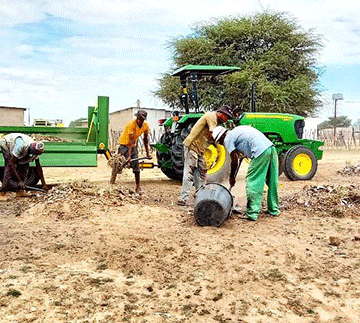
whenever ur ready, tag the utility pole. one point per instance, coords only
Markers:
(336, 97)
(253, 98)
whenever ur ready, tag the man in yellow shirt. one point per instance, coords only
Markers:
(195, 144)
(128, 143)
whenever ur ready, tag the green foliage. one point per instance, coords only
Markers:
(271, 50)
(357, 123)
(340, 122)
(77, 123)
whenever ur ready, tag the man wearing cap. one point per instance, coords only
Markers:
(128, 143)
(195, 144)
(18, 151)
(248, 142)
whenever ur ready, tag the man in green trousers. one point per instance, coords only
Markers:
(248, 142)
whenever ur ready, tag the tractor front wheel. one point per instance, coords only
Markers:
(300, 163)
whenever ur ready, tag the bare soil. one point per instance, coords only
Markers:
(89, 251)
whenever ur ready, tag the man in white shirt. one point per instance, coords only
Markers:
(248, 142)
(18, 151)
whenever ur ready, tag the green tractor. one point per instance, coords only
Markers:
(298, 157)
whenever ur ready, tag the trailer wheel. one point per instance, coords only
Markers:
(32, 178)
(300, 163)
(1, 174)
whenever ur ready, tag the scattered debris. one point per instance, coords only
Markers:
(41, 137)
(349, 169)
(326, 200)
(82, 198)
(334, 241)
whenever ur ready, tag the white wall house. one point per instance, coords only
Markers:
(119, 119)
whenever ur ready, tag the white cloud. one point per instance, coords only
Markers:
(117, 47)
(25, 49)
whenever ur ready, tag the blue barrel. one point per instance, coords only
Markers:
(213, 205)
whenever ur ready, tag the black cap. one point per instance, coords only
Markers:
(227, 111)
(142, 114)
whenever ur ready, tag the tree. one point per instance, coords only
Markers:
(78, 122)
(339, 122)
(357, 123)
(271, 50)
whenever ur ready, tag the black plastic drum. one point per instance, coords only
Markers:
(213, 205)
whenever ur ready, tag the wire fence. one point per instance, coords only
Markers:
(347, 138)
(115, 134)
(340, 138)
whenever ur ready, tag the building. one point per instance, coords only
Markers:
(119, 119)
(12, 116)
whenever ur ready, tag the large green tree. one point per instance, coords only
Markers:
(272, 51)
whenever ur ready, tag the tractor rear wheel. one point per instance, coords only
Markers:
(164, 158)
(171, 163)
(300, 163)
(177, 150)
(218, 163)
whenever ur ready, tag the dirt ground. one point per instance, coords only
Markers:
(91, 252)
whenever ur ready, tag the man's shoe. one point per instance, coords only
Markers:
(273, 214)
(248, 217)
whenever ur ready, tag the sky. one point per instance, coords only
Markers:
(57, 56)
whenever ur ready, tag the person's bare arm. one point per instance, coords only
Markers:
(40, 174)
(131, 145)
(12, 164)
(236, 159)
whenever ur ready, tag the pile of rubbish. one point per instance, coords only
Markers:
(328, 200)
(82, 199)
(350, 169)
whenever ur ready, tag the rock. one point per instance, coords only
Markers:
(335, 241)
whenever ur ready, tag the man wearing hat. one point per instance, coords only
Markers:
(195, 144)
(128, 143)
(248, 142)
(18, 151)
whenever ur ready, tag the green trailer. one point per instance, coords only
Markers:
(67, 146)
